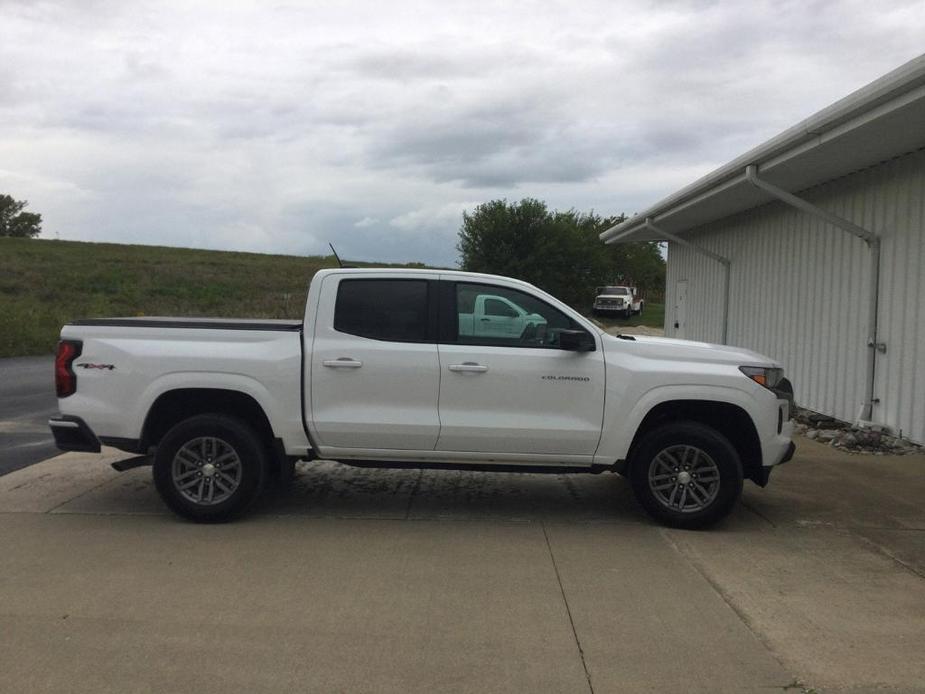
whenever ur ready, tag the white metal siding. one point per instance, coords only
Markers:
(799, 291)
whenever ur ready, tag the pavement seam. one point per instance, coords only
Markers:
(724, 596)
(83, 493)
(880, 549)
(759, 514)
(568, 610)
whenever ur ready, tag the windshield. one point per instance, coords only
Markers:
(615, 290)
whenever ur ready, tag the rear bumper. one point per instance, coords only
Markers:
(72, 434)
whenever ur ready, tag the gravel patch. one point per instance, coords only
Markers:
(850, 438)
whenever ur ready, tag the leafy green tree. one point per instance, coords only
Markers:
(559, 252)
(15, 222)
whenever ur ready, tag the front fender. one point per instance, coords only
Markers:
(618, 431)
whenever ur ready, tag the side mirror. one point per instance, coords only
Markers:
(576, 341)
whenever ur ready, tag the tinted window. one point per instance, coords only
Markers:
(486, 316)
(383, 309)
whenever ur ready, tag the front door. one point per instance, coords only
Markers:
(517, 394)
(374, 366)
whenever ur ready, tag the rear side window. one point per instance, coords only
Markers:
(383, 309)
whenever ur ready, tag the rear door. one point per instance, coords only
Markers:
(374, 364)
(517, 394)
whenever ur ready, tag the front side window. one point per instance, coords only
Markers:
(489, 315)
(383, 309)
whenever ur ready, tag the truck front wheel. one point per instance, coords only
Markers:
(686, 475)
(210, 468)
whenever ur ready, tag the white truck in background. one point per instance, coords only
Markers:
(383, 371)
(620, 300)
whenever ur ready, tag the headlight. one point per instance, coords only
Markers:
(765, 376)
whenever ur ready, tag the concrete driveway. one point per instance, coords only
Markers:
(408, 581)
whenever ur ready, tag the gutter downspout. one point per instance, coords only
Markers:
(873, 242)
(710, 254)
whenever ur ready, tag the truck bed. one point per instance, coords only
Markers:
(202, 323)
(126, 364)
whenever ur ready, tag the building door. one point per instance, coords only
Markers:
(680, 309)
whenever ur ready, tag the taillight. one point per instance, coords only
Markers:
(65, 378)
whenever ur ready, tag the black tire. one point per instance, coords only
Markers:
(657, 456)
(249, 461)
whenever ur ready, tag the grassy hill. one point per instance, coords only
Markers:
(44, 284)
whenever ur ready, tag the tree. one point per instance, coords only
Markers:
(15, 222)
(559, 252)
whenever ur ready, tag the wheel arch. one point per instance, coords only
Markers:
(178, 404)
(730, 420)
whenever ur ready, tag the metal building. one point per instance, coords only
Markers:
(811, 248)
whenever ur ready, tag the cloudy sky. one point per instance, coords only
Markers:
(277, 127)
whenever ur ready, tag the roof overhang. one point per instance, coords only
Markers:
(883, 120)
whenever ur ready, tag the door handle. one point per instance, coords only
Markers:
(343, 363)
(469, 367)
(484, 320)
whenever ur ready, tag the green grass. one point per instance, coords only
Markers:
(45, 284)
(653, 315)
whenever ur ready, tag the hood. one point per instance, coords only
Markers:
(690, 350)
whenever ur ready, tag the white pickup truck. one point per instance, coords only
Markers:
(495, 316)
(619, 300)
(379, 373)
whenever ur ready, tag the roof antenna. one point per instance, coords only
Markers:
(336, 257)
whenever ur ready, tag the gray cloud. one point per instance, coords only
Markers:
(374, 125)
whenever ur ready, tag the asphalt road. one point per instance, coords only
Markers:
(27, 400)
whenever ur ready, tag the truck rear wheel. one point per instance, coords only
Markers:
(210, 468)
(686, 475)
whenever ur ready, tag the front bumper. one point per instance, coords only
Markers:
(72, 434)
(761, 476)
